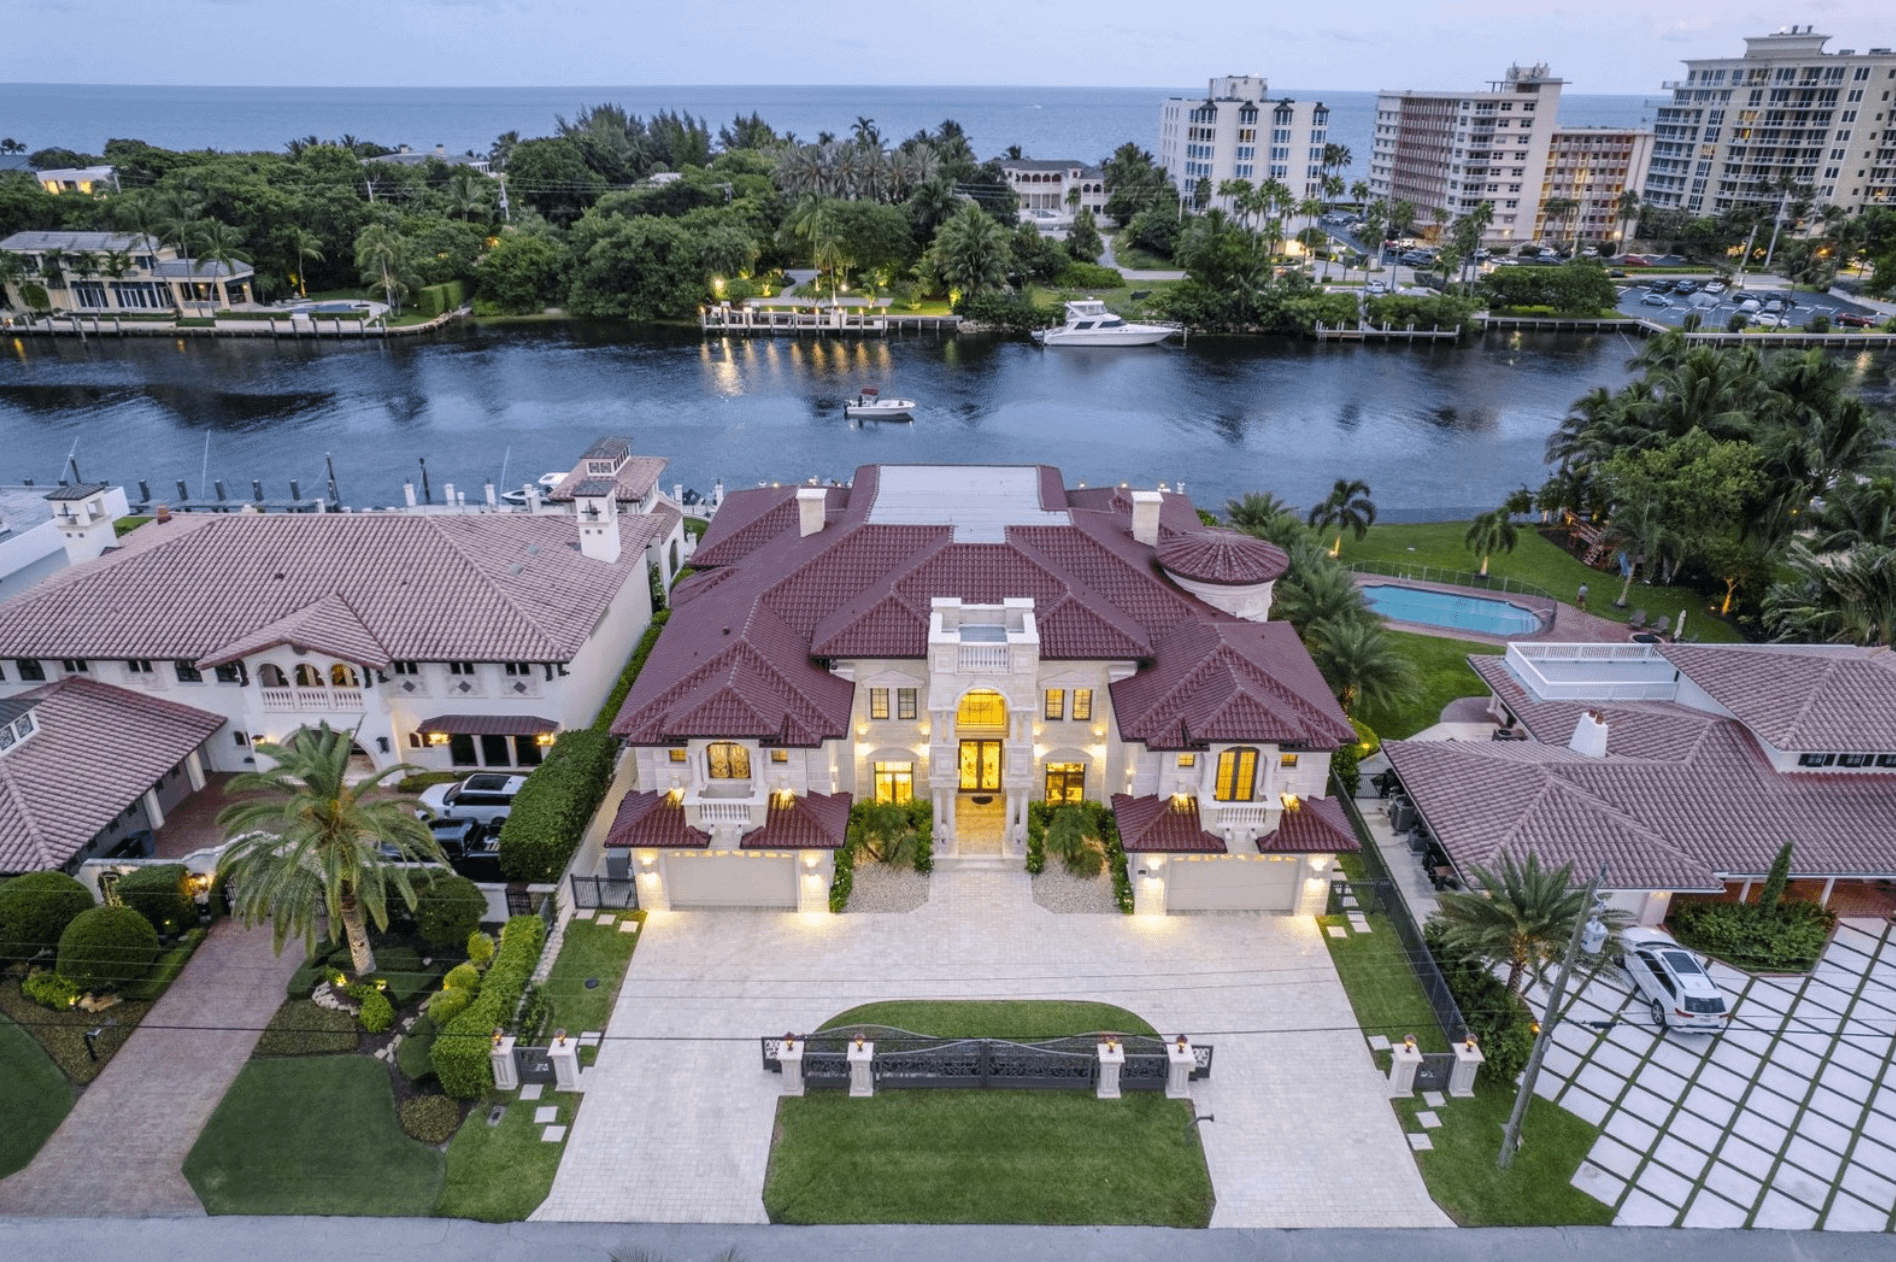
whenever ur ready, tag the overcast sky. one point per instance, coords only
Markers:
(1598, 45)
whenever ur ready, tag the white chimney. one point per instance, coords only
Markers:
(812, 503)
(1145, 517)
(598, 516)
(1589, 735)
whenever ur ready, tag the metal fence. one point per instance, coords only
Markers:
(616, 894)
(904, 1060)
(524, 900)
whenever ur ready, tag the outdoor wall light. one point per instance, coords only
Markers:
(789, 1042)
(1183, 1043)
(437, 738)
(543, 738)
(559, 1038)
(1469, 1041)
(859, 1040)
(1408, 1041)
(498, 1035)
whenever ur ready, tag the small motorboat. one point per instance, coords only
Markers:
(869, 405)
(544, 484)
(1089, 323)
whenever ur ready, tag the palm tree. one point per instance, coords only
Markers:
(970, 253)
(1255, 510)
(382, 259)
(1555, 210)
(1315, 595)
(467, 194)
(1643, 533)
(1347, 508)
(1628, 207)
(1361, 663)
(308, 843)
(1522, 917)
(305, 246)
(220, 247)
(1490, 533)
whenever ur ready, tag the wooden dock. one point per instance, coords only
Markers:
(1366, 332)
(288, 327)
(849, 322)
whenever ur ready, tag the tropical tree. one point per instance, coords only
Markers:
(1348, 507)
(970, 253)
(886, 832)
(1642, 532)
(1256, 511)
(1361, 663)
(220, 246)
(1490, 533)
(1320, 594)
(1556, 210)
(382, 260)
(307, 843)
(307, 247)
(1522, 916)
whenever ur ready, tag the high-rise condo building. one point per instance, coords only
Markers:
(1787, 117)
(1236, 132)
(1589, 170)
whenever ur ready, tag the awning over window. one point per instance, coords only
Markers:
(488, 725)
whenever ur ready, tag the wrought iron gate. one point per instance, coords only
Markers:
(904, 1060)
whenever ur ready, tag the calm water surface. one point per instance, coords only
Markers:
(1436, 432)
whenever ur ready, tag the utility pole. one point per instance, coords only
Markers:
(1777, 222)
(1511, 1137)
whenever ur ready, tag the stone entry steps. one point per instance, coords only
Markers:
(979, 863)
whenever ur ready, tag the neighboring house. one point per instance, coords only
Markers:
(1044, 185)
(102, 273)
(442, 639)
(88, 180)
(980, 637)
(1682, 768)
(1236, 132)
(84, 765)
(42, 532)
(406, 157)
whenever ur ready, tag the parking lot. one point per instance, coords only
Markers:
(1715, 310)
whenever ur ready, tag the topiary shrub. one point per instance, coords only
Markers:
(550, 815)
(377, 1014)
(1784, 937)
(50, 990)
(432, 1119)
(35, 910)
(462, 977)
(413, 1056)
(461, 1049)
(448, 910)
(160, 894)
(449, 1004)
(105, 946)
(480, 949)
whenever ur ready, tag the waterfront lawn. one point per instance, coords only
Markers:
(1132, 258)
(34, 1097)
(591, 953)
(500, 1174)
(313, 1135)
(1537, 561)
(1442, 674)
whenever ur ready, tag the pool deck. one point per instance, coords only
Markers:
(1568, 625)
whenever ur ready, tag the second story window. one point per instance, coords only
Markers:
(1082, 704)
(878, 703)
(675, 755)
(727, 760)
(460, 668)
(405, 668)
(1056, 703)
(230, 673)
(30, 669)
(1237, 775)
(905, 703)
(73, 665)
(1188, 760)
(138, 665)
(188, 673)
(522, 669)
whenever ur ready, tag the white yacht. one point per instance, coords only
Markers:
(545, 483)
(1089, 323)
(869, 405)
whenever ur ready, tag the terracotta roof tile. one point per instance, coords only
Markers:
(488, 724)
(809, 821)
(1317, 826)
(1155, 825)
(1223, 556)
(1799, 698)
(655, 820)
(1230, 681)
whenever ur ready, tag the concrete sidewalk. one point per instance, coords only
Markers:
(120, 1150)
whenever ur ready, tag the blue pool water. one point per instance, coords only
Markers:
(1441, 609)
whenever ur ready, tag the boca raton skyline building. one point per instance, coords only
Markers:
(1236, 132)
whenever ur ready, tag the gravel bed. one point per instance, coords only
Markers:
(880, 888)
(1058, 890)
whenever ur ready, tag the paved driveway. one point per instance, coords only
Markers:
(678, 1114)
(1788, 1120)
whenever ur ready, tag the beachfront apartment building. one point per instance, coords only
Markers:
(1786, 119)
(1593, 168)
(1448, 152)
(1236, 132)
(106, 273)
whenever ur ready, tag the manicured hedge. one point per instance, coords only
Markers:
(460, 1053)
(432, 300)
(550, 815)
(1789, 936)
(1499, 1020)
(1088, 276)
(106, 946)
(432, 1119)
(35, 909)
(413, 1056)
(448, 909)
(159, 894)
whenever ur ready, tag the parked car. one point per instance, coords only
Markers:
(1774, 306)
(1375, 287)
(1655, 300)
(1673, 981)
(1634, 260)
(1749, 306)
(1714, 286)
(1660, 286)
(1685, 287)
(1851, 319)
(486, 797)
(1767, 320)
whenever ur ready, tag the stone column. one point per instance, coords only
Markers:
(506, 1074)
(790, 1056)
(1112, 1057)
(194, 770)
(565, 1057)
(1179, 1063)
(154, 813)
(1405, 1060)
(862, 1058)
(1468, 1058)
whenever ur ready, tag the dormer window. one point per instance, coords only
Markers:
(31, 671)
(73, 665)
(12, 733)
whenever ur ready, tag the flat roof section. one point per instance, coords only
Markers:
(979, 501)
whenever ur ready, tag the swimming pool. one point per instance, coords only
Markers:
(1444, 609)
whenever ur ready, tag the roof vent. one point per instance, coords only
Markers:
(1589, 735)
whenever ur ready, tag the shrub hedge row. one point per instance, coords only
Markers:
(1499, 1020)
(1787, 937)
(602, 722)
(550, 815)
(105, 946)
(432, 300)
(844, 879)
(160, 894)
(35, 909)
(460, 1053)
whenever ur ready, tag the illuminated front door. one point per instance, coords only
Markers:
(980, 765)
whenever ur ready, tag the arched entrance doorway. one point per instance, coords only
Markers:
(981, 733)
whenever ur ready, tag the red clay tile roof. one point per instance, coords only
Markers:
(1317, 826)
(653, 820)
(811, 821)
(56, 790)
(1155, 825)
(633, 481)
(488, 725)
(1223, 681)
(370, 587)
(742, 653)
(1800, 698)
(1223, 556)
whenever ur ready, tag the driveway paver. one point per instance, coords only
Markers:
(1777, 1123)
(122, 1148)
(679, 1110)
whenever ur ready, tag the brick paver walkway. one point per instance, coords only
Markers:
(679, 1131)
(1788, 1120)
(120, 1150)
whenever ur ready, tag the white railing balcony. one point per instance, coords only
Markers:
(711, 814)
(974, 657)
(1245, 815)
(313, 700)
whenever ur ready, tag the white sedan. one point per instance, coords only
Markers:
(1673, 981)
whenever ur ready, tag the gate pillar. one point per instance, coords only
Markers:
(862, 1059)
(790, 1056)
(1179, 1063)
(1112, 1057)
(1468, 1058)
(1405, 1060)
(564, 1055)
(506, 1072)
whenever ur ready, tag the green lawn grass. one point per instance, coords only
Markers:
(34, 1097)
(500, 1174)
(1442, 674)
(312, 1135)
(1383, 989)
(1541, 563)
(1135, 259)
(590, 952)
(62, 1032)
(1020, 1019)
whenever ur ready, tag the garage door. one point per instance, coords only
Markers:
(731, 879)
(1230, 883)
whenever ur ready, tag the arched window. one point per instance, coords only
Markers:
(343, 675)
(308, 676)
(727, 760)
(674, 556)
(982, 708)
(1237, 775)
(270, 675)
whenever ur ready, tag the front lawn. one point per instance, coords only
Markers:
(1383, 989)
(592, 953)
(500, 1174)
(1537, 561)
(1442, 674)
(312, 1135)
(34, 1097)
(62, 1031)
(973, 1156)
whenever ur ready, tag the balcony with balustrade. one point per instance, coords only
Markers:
(313, 700)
